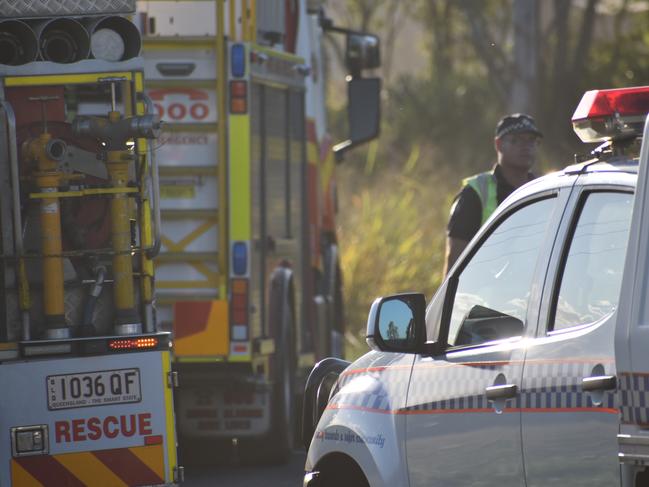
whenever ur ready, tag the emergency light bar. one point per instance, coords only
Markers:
(611, 114)
(48, 8)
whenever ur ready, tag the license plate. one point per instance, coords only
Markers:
(101, 388)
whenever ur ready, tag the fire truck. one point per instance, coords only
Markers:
(248, 276)
(86, 379)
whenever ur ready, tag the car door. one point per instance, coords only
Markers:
(455, 434)
(632, 337)
(569, 419)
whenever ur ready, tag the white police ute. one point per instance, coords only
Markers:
(508, 377)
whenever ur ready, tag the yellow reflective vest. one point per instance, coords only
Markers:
(485, 185)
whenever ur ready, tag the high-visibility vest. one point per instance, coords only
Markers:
(486, 186)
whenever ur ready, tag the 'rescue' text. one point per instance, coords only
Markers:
(83, 429)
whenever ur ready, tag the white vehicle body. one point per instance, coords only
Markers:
(631, 337)
(510, 378)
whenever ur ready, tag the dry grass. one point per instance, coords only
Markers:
(391, 230)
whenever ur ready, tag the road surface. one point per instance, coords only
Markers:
(228, 475)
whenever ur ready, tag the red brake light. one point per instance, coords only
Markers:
(238, 88)
(607, 114)
(238, 97)
(133, 343)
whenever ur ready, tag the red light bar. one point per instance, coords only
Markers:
(609, 114)
(605, 103)
(133, 343)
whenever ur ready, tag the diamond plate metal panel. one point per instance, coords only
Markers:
(48, 8)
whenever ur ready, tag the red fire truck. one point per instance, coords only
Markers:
(85, 374)
(248, 276)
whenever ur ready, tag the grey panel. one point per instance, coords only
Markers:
(46, 8)
(38, 68)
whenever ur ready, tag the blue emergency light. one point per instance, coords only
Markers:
(238, 60)
(239, 258)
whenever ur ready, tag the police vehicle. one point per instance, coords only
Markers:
(508, 376)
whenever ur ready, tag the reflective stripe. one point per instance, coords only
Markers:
(485, 185)
(552, 386)
(119, 467)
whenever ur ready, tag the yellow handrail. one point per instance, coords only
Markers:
(223, 253)
(244, 20)
(252, 25)
(233, 20)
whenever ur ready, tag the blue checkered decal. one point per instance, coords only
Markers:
(552, 385)
(633, 395)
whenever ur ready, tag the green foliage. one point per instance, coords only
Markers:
(438, 124)
(391, 234)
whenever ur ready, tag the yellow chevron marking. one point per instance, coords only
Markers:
(21, 477)
(312, 153)
(212, 277)
(189, 238)
(89, 470)
(152, 457)
(327, 170)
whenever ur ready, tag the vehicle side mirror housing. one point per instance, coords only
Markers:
(362, 51)
(397, 323)
(363, 113)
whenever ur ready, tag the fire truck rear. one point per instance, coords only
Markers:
(85, 376)
(248, 275)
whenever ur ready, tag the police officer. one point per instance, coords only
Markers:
(516, 142)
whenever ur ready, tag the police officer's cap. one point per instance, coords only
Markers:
(517, 123)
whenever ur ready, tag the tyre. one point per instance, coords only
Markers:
(276, 446)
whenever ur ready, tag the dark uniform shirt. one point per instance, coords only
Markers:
(466, 211)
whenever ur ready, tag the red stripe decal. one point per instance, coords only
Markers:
(153, 440)
(48, 471)
(368, 369)
(475, 410)
(310, 132)
(128, 467)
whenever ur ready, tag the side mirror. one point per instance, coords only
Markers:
(363, 113)
(397, 323)
(362, 51)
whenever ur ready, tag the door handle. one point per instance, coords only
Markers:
(505, 391)
(599, 383)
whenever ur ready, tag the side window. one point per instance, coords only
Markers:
(591, 270)
(493, 289)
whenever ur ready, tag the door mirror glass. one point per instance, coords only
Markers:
(364, 103)
(396, 323)
(363, 113)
